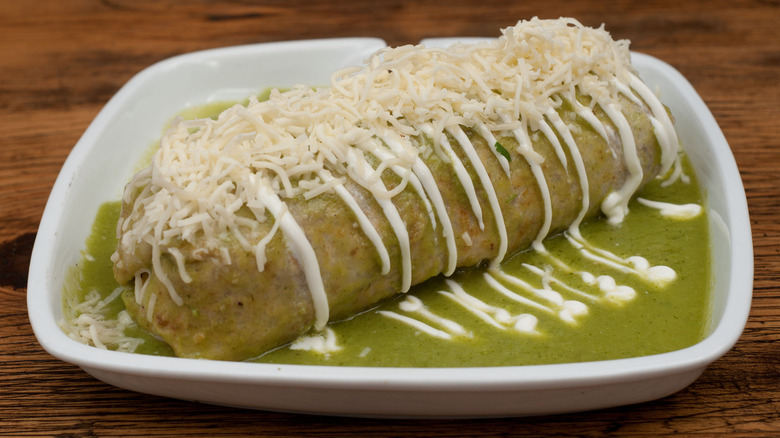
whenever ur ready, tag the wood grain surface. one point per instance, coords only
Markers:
(60, 61)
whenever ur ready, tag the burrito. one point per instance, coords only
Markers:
(279, 216)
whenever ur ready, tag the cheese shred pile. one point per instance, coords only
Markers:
(89, 322)
(305, 141)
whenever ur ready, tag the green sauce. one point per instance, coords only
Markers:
(94, 273)
(657, 320)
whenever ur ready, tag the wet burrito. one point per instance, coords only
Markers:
(250, 230)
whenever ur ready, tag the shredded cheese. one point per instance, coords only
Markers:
(88, 322)
(308, 141)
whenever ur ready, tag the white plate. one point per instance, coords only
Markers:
(104, 158)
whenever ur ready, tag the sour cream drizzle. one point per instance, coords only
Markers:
(664, 128)
(549, 298)
(401, 233)
(324, 342)
(637, 265)
(615, 206)
(674, 211)
(490, 190)
(534, 160)
(497, 317)
(302, 250)
(419, 325)
(377, 111)
(460, 171)
(411, 178)
(579, 164)
(365, 224)
(423, 173)
(490, 139)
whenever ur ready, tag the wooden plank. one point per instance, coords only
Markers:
(61, 61)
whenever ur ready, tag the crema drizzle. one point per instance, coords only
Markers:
(382, 131)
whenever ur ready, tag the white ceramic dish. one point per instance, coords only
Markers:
(104, 158)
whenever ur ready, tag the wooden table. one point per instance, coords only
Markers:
(61, 61)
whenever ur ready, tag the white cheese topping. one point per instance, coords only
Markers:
(89, 322)
(306, 141)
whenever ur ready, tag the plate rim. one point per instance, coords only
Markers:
(478, 379)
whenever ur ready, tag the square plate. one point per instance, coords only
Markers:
(104, 158)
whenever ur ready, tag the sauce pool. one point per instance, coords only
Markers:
(572, 308)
